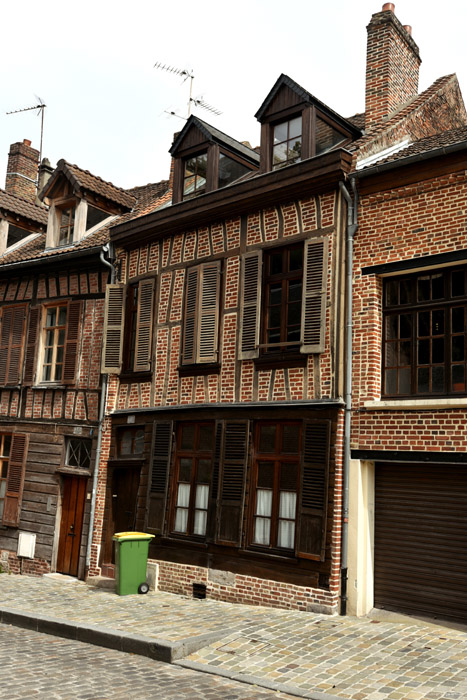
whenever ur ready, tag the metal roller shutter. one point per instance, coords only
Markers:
(421, 539)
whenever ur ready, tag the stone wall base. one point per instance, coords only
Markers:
(12, 564)
(184, 579)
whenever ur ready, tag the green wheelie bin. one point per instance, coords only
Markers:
(131, 560)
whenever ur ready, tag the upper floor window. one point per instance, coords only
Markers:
(54, 343)
(425, 334)
(287, 142)
(201, 314)
(195, 175)
(283, 281)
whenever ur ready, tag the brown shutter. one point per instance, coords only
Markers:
(314, 295)
(190, 316)
(160, 463)
(313, 502)
(232, 489)
(144, 325)
(212, 509)
(15, 479)
(114, 317)
(31, 345)
(11, 343)
(251, 305)
(208, 314)
(71, 341)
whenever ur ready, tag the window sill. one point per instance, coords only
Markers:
(270, 554)
(50, 385)
(199, 370)
(415, 404)
(279, 361)
(74, 471)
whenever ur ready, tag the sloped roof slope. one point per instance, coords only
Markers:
(22, 207)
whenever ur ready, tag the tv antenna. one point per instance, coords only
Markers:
(41, 109)
(186, 74)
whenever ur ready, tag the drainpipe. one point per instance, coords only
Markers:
(103, 402)
(352, 226)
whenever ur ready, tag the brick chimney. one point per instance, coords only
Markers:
(21, 175)
(392, 65)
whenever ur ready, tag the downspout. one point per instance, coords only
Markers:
(100, 430)
(352, 226)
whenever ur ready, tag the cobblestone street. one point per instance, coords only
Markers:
(36, 665)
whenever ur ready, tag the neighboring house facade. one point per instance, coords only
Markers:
(409, 432)
(53, 276)
(224, 342)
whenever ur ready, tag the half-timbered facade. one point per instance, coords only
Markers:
(53, 275)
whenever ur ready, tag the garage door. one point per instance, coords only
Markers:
(421, 539)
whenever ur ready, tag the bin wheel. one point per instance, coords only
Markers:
(143, 587)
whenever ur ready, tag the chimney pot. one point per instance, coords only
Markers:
(389, 7)
(408, 29)
(26, 142)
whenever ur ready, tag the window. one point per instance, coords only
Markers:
(425, 334)
(194, 463)
(95, 216)
(128, 308)
(195, 174)
(201, 314)
(283, 309)
(66, 225)
(287, 142)
(283, 299)
(130, 442)
(275, 484)
(5, 445)
(78, 453)
(54, 343)
(326, 137)
(230, 170)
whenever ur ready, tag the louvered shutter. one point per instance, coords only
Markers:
(114, 317)
(161, 453)
(251, 305)
(190, 316)
(15, 479)
(71, 341)
(144, 325)
(212, 508)
(31, 345)
(313, 503)
(11, 343)
(232, 482)
(208, 313)
(314, 295)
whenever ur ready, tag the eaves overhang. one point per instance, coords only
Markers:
(312, 176)
(299, 405)
(46, 261)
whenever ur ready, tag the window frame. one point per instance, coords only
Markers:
(4, 468)
(84, 445)
(413, 309)
(56, 332)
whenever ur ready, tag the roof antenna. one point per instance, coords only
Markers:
(196, 101)
(41, 107)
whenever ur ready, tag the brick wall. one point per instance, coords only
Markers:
(23, 161)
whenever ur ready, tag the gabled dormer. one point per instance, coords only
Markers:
(79, 203)
(19, 220)
(205, 159)
(295, 126)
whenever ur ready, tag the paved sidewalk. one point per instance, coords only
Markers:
(303, 654)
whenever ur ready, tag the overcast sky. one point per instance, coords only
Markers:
(93, 66)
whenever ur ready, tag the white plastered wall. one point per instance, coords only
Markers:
(360, 587)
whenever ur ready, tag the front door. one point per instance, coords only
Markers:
(71, 524)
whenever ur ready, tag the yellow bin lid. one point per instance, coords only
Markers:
(119, 536)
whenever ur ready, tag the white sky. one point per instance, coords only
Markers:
(92, 64)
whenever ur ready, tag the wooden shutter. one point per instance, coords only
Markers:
(313, 501)
(208, 313)
(15, 479)
(232, 483)
(161, 453)
(190, 316)
(314, 295)
(71, 341)
(114, 317)
(11, 343)
(144, 325)
(31, 345)
(251, 305)
(214, 493)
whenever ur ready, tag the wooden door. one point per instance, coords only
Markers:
(71, 524)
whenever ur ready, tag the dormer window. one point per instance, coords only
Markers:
(287, 142)
(205, 159)
(326, 137)
(66, 225)
(195, 175)
(95, 216)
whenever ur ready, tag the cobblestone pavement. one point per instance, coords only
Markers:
(300, 653)
(43, 666)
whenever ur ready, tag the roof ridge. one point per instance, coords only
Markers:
(88, 172)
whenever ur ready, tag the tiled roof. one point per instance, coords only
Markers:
(84, 180)
(358, 120)
(20, 206)
(214, 134)
(147, 199)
